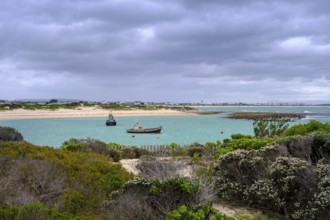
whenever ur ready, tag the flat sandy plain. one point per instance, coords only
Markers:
(83, 112)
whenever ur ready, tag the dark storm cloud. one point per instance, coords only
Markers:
(176, 50)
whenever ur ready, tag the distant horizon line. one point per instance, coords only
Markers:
(170, 102)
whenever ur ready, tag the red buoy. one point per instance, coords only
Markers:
(221, 132)
(133, 136)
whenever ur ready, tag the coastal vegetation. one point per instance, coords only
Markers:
(285, 174)
(42, 105)
(53, 104)
(265, 115)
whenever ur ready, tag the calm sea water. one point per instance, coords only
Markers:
(178, 129)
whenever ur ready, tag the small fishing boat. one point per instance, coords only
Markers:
(111, 121)
(139, 129)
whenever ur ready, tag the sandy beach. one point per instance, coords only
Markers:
(83, 112)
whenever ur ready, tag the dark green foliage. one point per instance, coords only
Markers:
(131, 152)
(244, 143)
(76, 183)
(314, 148)
(240, 136)
(175, 149)
(192, 151)
(93, 145)
(286, 178)
(127, 153)
(35, 211)
(114, 154)
(76, 202)
(267, 128)
(205, 213)
(153, 198)
(10, 134)
(311, 126)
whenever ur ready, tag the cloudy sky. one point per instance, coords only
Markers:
(166, 50)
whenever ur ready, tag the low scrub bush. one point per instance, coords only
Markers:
(311, 126)
(192, 151)
(58, 178)
(93, 145)
(283, 178)
(154, 198)
(161, 169)
(243, 143)
(10, 134)
(35, 211)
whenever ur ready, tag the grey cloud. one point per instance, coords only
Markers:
(192, 48)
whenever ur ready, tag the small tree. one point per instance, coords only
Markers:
(269, 127)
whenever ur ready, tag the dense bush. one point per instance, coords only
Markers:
(312, 148)
(243, 142)
(192, 151)
(10, 134)
(290, 177)
(35, 211)
(154, 199)
(93, 145)
(205, 213)
(311, 126)
(75, 183)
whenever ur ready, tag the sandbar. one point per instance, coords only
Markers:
(84, 112)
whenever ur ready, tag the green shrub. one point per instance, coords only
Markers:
(8, 212)
(191, 151)
(89, 177)
(175, 149)
(10, 134)
(75, 202)
(154, 198)
(35, 210)
(93, 145)
(114, 154)
(281, 178)
(38, 211)
(140, 152)
(311, 126)
(240, 136)
(268, 128)
(222, 151)
(205, 213)
(128, 153)
(242, 143)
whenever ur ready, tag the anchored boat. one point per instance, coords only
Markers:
(111, 121)
(139, 129)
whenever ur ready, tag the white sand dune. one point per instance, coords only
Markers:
(83, 112)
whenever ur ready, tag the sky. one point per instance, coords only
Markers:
(209, 51)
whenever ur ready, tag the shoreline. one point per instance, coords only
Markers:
(84, 112)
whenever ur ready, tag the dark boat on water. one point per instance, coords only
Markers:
(138, 129)
(111, 121)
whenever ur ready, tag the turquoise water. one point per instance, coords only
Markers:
(178, 129)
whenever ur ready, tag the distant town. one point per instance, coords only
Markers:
(142, 103)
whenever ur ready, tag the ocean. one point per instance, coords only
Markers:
(182, 130)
